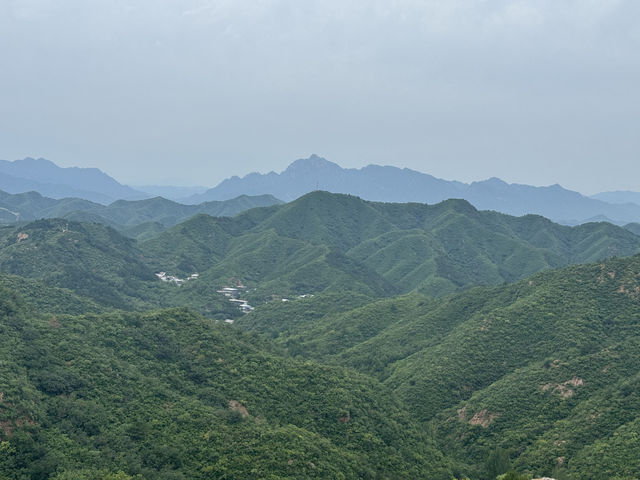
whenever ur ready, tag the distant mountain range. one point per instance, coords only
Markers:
(619, 196)
(169, 191)
(392, 184)
(45, 177)
(373, 182)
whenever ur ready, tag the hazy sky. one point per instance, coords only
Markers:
(193, 91)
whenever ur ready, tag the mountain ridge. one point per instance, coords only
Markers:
(49, 179)
(437, 248)
(543, 371)
(372, 182)
(400, 185)
(124, 215)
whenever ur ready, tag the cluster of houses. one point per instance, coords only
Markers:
(233, 294)
(173, 279)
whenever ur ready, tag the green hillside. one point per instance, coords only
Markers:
(169, 213)
(320, 242)
(43, 298)
(31, 206)
(385, 343)
(633, 228)
(97, 262)
(90, 259)
(273, 264)
(550, 376)
(328, 241)
(543, 372)
(135, 218)
(170, 395)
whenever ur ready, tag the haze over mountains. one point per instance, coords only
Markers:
(392, 184)
(135, 218)
(618, 197)
(374, 182)
(47, 178)
(380, 183)
(407, 313)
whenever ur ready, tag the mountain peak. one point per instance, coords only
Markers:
(314, 162)
(492, 182)
(35, 161)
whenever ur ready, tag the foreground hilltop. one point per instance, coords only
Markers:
(541, 374)
(170, 395)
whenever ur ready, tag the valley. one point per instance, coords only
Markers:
(324, 338)
(448, 289)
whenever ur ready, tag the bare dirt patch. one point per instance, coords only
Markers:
(565, 389)
(483, 418)
(8, 426)
(462, 413)
(631, 291)
(236, 406)
(575, 381)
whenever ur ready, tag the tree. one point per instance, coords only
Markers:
(497, 463)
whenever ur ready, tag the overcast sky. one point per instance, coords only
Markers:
(193, 91)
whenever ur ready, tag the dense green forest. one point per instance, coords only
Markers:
(545, 370)
(386, 342)
(170, 394)
(340, 242)
(138, 219)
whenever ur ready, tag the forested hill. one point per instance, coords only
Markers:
(135, 218)
(170, 395)
(325, 239)
(320, 242)
(371, 353)
(541, 375)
